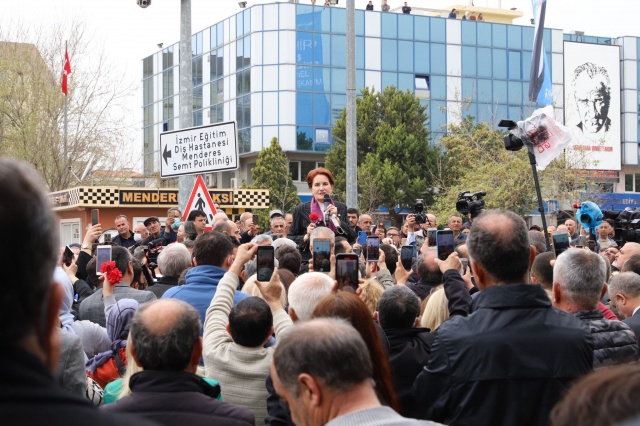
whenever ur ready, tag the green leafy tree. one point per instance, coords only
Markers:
(474, 159)
(271, 172)
(394, 153)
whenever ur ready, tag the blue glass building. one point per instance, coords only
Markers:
(279, 70)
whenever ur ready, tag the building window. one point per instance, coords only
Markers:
(300, 169)
(167, 58)
(167, 83)
(632, 182)
(216, 114)
(147, 67)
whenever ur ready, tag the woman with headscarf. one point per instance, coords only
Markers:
(94, 337)
(110, 365)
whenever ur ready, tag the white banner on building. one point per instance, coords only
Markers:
(592, 105)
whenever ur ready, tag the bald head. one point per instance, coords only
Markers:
(498, 235)
(322, 232)
(571, 226)
(219, 217)
(165, 336)
(329, 349)
(365, 222)
(628, 250)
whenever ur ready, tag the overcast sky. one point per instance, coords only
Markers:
(129, 33)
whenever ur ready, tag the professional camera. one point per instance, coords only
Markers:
(626, 224)
(470, 202)
(151, 251)
(418, 211)
(144, 3)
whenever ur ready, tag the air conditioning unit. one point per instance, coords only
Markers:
(210, 180)
(234, 183)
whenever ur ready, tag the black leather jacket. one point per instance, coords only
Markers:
(508, 363)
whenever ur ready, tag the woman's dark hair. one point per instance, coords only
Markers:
(190, 230)
(348, 306)
(286, 278)
(604, 397)
(319, 171)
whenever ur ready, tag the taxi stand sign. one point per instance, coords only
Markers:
(203, 149)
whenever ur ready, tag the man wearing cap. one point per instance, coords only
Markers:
(278, 226)
(155, 231)
(272, 214)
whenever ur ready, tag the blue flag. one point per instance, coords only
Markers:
(540, 79)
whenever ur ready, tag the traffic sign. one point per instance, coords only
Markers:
(200, 200)
(204, 149)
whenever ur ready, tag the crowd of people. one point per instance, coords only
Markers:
(385, 7)
(500, 332)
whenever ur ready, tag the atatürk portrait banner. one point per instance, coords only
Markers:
(592, 105)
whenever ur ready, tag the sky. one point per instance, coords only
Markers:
(129, 33)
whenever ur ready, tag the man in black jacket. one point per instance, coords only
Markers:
(509, 362)
(427, 274)
(624, 291)
(29, 322)
(409, 345)
(166, 343)
(578, 285)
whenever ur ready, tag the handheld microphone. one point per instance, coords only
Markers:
(327, 203)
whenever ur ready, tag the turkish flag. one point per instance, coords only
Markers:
(65, 72)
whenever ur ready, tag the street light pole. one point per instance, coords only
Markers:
(352, 152)
(185, 183)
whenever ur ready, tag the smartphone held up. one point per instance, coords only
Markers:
(347, 270)
(265, 262)
(322, 255)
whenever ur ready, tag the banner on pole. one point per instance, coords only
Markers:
(543, 136)
(540, 78)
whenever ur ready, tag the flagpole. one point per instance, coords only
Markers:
(66, 160)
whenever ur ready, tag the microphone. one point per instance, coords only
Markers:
(327, 203)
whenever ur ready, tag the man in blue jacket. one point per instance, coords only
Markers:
(212, 256)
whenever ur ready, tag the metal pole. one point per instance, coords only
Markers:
(532, 161)
(352, 151)
(185, 183)
(65, 163)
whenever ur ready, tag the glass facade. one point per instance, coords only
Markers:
(279, 70)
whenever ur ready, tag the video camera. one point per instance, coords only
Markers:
(418, 211)
(626, 224)
(469, 202)
(151, 251)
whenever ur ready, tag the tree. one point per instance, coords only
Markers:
(394, 153)
(100, 123)
(474, 159)
(271, 172)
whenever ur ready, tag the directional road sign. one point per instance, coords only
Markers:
(204, 149)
